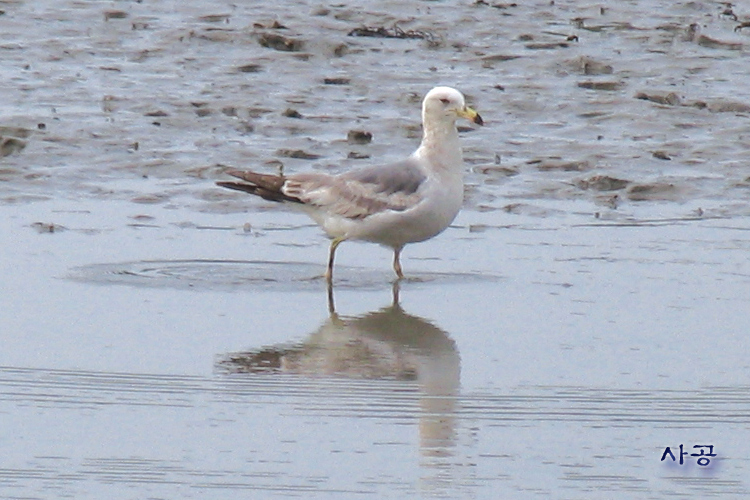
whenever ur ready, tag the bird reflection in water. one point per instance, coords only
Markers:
(387, 344)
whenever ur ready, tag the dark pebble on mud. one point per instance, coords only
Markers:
(336, 81)
(115, 14)
(547, 46)
(281, 43)
(298, 154)
(291, 113)
(606, 86)
(10, 145)
(249, 68)
(359, 137)
(353, 155)
(670, 99)
(602, 183)
(341, 50)
(156, 113)
(661, 155)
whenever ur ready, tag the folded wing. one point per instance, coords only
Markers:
(360, 193)
(355, 195)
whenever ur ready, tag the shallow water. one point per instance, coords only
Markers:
(163, 338)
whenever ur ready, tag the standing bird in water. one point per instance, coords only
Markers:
(408, 201)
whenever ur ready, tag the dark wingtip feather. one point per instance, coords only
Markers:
(234, 172)
(266, 194)
(238, 186)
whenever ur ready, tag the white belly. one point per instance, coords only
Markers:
(441, 202)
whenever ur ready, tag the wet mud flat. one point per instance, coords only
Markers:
(631, 103)
(587, 309)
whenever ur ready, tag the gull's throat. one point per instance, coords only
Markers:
(440, 144)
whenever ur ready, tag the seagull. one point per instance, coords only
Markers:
(408, 201)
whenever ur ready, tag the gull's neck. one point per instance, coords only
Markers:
(441, 145)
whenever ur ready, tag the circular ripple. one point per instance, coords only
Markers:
(233, 274)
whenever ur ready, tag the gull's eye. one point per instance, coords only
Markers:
(445, 101)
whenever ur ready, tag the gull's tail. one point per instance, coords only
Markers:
(269, 187)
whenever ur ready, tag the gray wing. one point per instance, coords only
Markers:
(401, 177)
(360, 193)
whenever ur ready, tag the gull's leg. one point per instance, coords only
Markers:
(397, 262)
(332, 252)
(331, 303)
